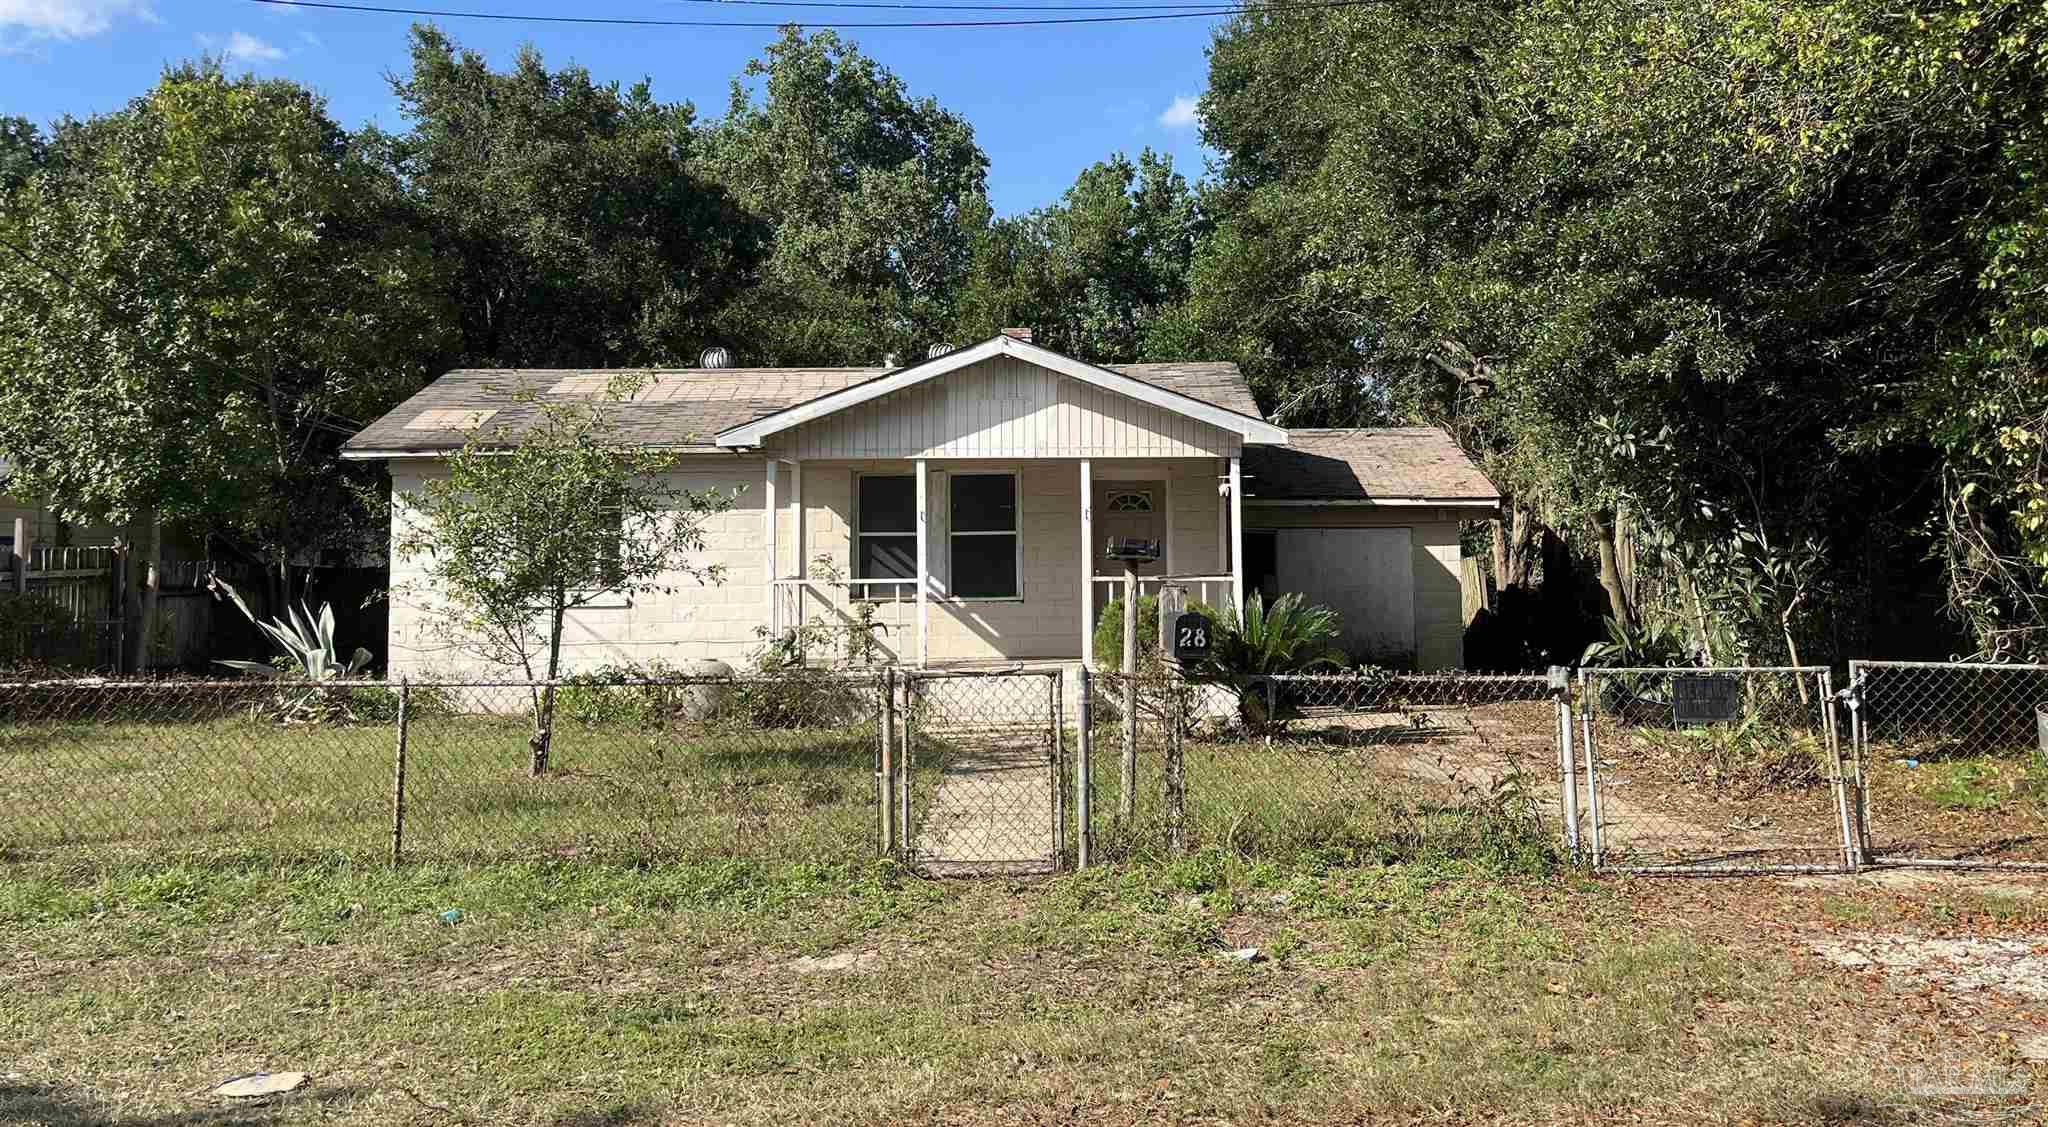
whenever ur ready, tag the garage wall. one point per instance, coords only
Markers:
(1439, 627)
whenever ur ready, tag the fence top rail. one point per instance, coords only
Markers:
(1447, 676)
(1710, 670)
(964, 674)
(194, 684)
(1960, 666)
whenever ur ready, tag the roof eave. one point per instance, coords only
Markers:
(1391, 502)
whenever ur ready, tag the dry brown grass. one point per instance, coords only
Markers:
(581, 994)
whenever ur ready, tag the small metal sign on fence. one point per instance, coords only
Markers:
(1701, 699)
(1191, 637)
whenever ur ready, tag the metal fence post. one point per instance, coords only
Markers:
(1587, 705)
(1851, 858)
(1056, 687)
(1859, 750)
(1084, 742)
(1567, 774)
(904, 762)
(1174, 779)
(885, 775)
(1272, 709)
(398, 774)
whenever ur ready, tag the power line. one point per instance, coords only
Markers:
(927, 7)
(635, 21)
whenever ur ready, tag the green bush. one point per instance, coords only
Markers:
(25, 620)
(598, 698)
(1109, 635)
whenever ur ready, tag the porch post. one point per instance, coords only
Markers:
(768, 538)
(796, 502)
(924, 568)
(1088, 564)
(1237, 539)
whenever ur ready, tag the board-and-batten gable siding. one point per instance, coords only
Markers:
(1004, 407)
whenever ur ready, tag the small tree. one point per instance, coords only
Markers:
(536, 519)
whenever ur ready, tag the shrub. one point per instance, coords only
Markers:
(636, 694)
(1109, 635)
(24, 621)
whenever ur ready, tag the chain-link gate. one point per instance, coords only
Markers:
(980, 786)
(1714, 771)
(1953, 762)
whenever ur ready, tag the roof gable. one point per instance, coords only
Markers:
(1249, 428)
(685, 408)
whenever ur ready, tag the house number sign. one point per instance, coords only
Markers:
(1190, 637)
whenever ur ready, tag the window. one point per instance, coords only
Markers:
(611, 566)
(886, 509)
(1130, 501)
(983, 536)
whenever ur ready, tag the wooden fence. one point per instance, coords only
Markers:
(86, 586)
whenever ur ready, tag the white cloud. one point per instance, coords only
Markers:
(1181, 114)
(241, 47)
(69, 19)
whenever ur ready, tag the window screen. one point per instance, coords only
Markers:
(983, 536)
(887, 511)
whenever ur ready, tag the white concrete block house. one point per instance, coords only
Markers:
(971, 496)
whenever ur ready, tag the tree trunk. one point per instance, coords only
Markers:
(1514, 536)
(1699, 613)
(145, 553)
(1618, 603)
(544, 715)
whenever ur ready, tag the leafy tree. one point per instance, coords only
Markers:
(1662, 267)
(530, 523)
(873, 196)
(576, 231)
(22, 151)
(1094, 272)
(204, 293)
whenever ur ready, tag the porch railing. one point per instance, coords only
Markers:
(1213, 590)
(789, 610)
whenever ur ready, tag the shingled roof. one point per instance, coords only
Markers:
(686, 407)
(1365, 464)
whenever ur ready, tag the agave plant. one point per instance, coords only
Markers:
(306, 639)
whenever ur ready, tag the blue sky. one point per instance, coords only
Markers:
(1045, 102)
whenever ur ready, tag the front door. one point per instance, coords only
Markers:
(1129, 510)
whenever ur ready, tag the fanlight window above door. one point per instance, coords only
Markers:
(1130, 501)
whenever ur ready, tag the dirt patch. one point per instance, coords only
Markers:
(2012, 965)
(841, 962)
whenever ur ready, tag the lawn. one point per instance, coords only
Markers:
(222, 779)
(579, 992)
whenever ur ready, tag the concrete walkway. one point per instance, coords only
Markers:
(992, 811)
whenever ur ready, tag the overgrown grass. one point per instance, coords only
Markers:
(586, 992)
(242, 782)
(1321, 807)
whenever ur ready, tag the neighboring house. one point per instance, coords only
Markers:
(41, 527)
(970, 497)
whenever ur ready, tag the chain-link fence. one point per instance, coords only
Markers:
(1347, 767)
(1713, 770)
(1953, 762)
(1026, 771)
(981, 781)
(768, 767)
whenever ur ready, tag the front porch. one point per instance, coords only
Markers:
(968, 563)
